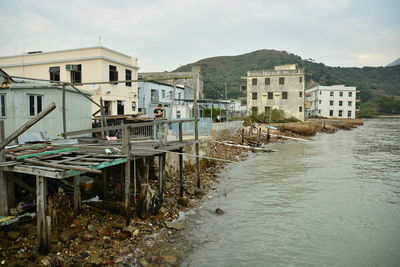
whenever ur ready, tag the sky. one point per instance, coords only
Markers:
(165, 34)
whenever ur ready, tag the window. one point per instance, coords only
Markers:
(128, 76)
(133, 106)
(267, 109)
(300, 109)
(284, 95)
(178, 114)
(2, 105)
(270, 95)
(319, 101)
(267, 81)
(331, 93)
(340, 93)
(254, 96)
(300, 79)
(120, 107)
(108, 107)
(340, 103)
(281, 80)
(162, 93)
(179, 95)
(254, 110)
(320, 92)
(349, 114)
(170, 95)
(113, 73)
(54, 74)
(319, 111)
(154, 96)
(340, 113)
(76, 73)
(349, 103)
(254, 81)
(331, 113)
(350, 94)
(331, 102)
(35, 104)
(300, 94)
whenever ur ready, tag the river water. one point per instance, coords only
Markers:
(333, 201)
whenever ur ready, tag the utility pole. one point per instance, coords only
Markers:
(226, 93)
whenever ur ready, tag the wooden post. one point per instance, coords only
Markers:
(161, 176)
(104, 183)
(42, 220)
(102, 115)
(135, 171)
(243, 131)
(64, 116)
(10, 190)
(3, 179)
(181, 188)
(127, 151)
(196, 87)
(77, 195)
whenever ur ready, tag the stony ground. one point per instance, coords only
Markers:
(101, 235)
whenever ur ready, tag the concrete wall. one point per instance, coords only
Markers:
(78, 111)
(224, 129)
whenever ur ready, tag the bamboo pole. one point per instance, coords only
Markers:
(3, 178)
(64, 116)
(42, 220)
(60, 166)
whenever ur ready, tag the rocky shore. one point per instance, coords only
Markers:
(101, 235)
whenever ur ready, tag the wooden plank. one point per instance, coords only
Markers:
(77, 195)
(27, 125)
(64, 115)
(24, 148)
(66, 159)
(3, 179)
(181, 188)
(34, 171)
(161, 176)
(42, 222)
(81, 163)
(60, 166)
(46, 153)
(98, 167)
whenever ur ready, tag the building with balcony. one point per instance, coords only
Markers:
(280, 88)
(83, 65)
(336, 101)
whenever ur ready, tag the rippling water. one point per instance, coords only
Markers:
(333, 201)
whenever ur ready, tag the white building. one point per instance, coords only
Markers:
(280, 88)
(336, 101)
(151, 94)
(91, 64)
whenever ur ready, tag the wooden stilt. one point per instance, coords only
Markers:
(181, 188)
(77, 195)
(42, 220)
(10, 190)
(104, 183)
(3, 179)
(127, 184)
(161, 176)
(135, 172)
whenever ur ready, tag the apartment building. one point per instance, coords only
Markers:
(336, 101)
(280, 88)
(83, 65)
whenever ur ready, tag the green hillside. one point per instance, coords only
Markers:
(373, 82)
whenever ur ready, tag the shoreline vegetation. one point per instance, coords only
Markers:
(101, 235)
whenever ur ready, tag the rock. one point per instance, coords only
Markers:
(68, 235)
(107, 239)
(144, 263)
(174, 225)
(219, 211)
(87, 237)
(12, 235)
(170, 259)
(184, 202)
(90, 227)
(130, 228)
(119, 260)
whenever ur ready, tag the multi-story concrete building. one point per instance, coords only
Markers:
(153, 93)
(336, 101)
(91, 64)
(280, 88)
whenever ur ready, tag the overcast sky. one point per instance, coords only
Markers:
(164, 34)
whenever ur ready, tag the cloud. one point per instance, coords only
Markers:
(165, 34)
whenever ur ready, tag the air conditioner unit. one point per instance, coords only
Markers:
(71, 67)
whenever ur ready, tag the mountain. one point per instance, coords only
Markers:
(371, 81)
(394, 63)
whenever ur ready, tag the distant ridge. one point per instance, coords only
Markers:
(218, 70)
(394, 63)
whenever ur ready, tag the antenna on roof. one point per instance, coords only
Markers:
(99, 43)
